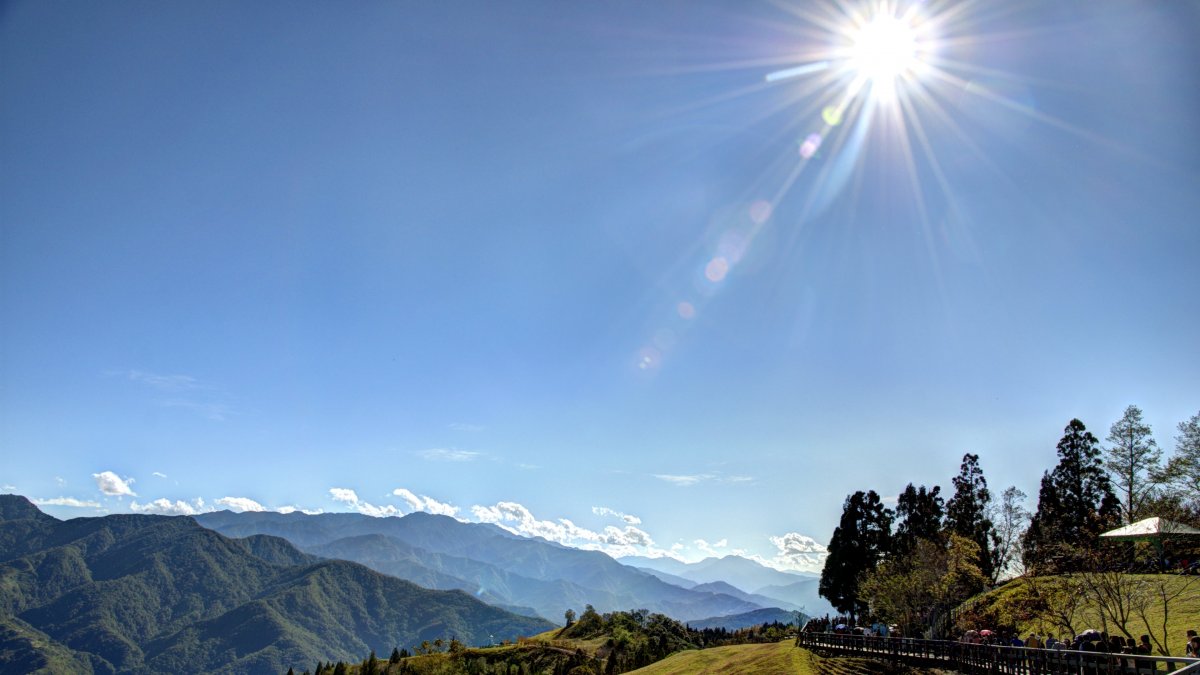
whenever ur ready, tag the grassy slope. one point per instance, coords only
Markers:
(1184, 612)
(781, 657)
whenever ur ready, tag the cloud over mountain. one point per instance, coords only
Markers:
(113, 485)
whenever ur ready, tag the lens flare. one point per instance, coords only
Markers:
(716, 269)
(810, 146)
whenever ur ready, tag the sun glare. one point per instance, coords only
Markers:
(884, 49)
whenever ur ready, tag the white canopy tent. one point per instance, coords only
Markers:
(1154, 530)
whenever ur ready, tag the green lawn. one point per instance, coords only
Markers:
(1009, 603)
(768, 659)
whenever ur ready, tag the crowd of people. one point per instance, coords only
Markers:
(1087, 641)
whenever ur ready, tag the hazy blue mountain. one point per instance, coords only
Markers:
(737, 571)
(803, 593)
(150, 594)
(760, 600)
(783, 589)
(755, 618)
(495, 564)
(669, 578)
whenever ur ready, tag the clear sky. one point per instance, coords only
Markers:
(538, 261)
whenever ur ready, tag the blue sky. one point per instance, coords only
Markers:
(437, 254)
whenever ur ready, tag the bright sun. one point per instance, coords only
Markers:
(884, 49)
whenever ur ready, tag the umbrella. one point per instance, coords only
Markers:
(840, 626)
(985, 632)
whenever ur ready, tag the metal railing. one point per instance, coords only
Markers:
(972, 658)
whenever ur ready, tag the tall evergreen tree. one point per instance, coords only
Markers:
(1183, 469)
(1075, 504)
(861, 539)
(1133, 461)
(918, 517)
(967, 513)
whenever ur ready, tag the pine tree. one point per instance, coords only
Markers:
(1183, 469)
(918, 517)
(1075, 504)
(967, 514)
(1133, 460)
(395, 657)
(861, 539)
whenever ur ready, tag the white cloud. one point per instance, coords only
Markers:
(8, 487)
(113, 485)
(350, 498)
(293, 509)
(217, 412)
(60, 480)
(797, 552)
(423, 503)
(711, 549)
(67, 501)
(159, 474)
(449, 455)
(683, 480)
(605, 511)
(240, 504)
(689, 479)
(166, 507)
(163, 382)
(615, 541)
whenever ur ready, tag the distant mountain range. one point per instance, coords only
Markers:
(755, 618)
(759, 583)
(510, 571)
(149, 594)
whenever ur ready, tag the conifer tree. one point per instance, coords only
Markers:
(1075, 504)
(1133, 460)
(918, 517)
(395, 657)
(967, 513)
(861, 539)
(1183, 469)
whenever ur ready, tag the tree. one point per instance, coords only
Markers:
(967, 513)
(1133, 460)
(918, 589)
(1075, 504)
(859, 542)
(918, 517)
(1183, 469)
(569, 615)
(1011, 519)
(395, 657)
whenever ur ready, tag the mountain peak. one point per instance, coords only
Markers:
(17, 507)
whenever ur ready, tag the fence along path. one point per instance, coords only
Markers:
(972, 659)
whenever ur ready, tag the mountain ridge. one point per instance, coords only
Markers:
(135, 593)
(503, 567)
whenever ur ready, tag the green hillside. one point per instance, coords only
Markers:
(782, 658)
(148, 594)
(766, 659)
(1138, 604)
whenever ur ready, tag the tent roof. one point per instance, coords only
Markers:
(1152, 528)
